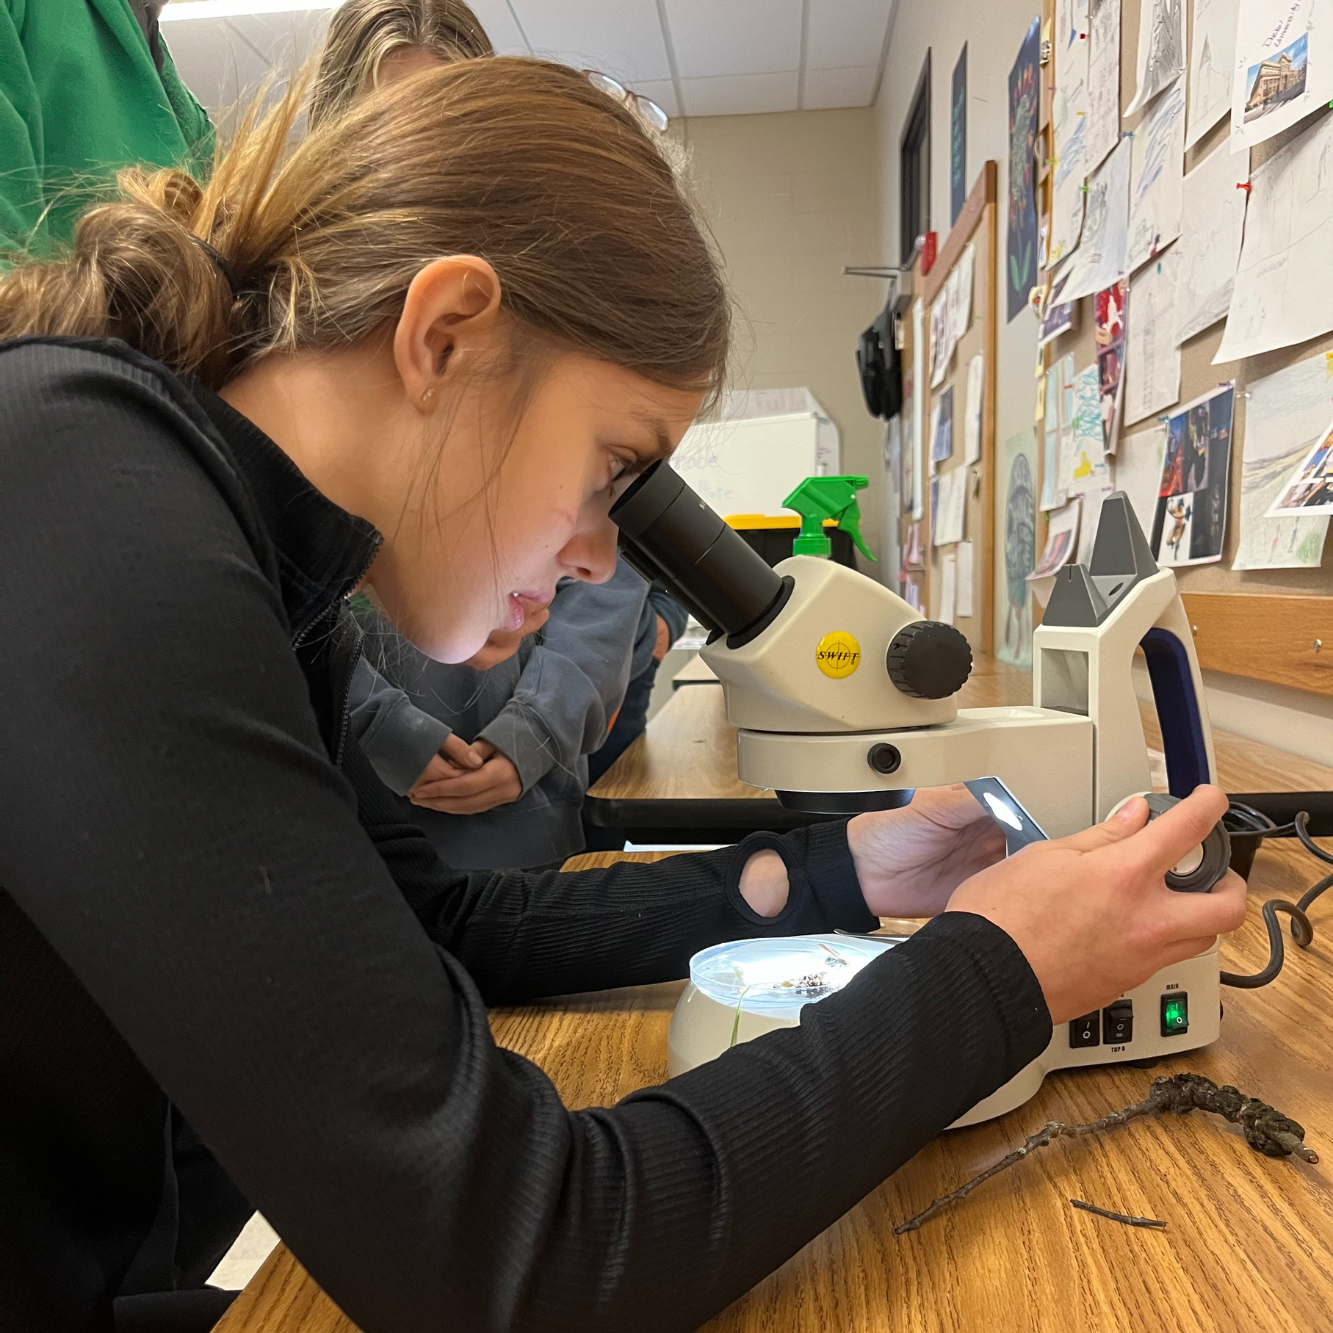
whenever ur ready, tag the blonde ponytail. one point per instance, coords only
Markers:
(521, 162)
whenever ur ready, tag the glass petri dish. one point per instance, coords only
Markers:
(782, 975)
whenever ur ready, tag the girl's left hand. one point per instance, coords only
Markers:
(910, 860)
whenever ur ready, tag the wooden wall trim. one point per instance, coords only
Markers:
(1270, 638)
(983, 193)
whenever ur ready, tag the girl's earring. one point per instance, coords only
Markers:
(426, 397)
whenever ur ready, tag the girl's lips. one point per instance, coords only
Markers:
(524, 606)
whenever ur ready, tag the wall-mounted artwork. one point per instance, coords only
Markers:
(1021, 251)
(1016, 547)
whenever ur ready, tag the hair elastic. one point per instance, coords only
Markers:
(223, 266)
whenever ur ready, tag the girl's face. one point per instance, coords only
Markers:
(488, 485)
(510, 507)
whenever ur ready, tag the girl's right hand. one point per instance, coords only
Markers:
(1092, 913)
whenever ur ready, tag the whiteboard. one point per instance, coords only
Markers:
(750, 466)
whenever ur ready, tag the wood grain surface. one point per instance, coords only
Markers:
(1284, 639)
(1249, 1240)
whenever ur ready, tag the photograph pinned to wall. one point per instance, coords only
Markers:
(911, 593)
(1021, 242)
(934, 431)
(1285, 415)
(1061, 544)
(918, 410)
(941, 335)
(958, 138)
(1152, 357)
(1309, 491)
(1189, 527)
(1283, 292)
(1102, 254)
(1068, 127)
(941, 437)
(1157, 177)
(1282, 69)
(1103, 131)
(1051, 494)
(1212, 58)
(912, 554)
(1138, 472)
(976, 392)
(1015, 530)
(1057, 316)
(1161, 49)
(1213, 222)
(1109, 313)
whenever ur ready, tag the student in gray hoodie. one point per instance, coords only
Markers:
(528, 724)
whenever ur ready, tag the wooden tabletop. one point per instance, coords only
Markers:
(1249, 1241)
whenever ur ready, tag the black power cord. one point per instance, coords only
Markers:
(1244, 821)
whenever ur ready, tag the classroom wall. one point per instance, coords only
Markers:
(993, 33)
(1292, 719)
(791, 198)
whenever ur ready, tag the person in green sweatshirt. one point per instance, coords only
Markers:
(86, 87)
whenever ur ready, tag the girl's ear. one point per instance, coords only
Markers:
(452, 305)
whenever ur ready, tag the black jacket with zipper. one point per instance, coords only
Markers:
(218, 944)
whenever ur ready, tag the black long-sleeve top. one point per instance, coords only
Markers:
(213, 924)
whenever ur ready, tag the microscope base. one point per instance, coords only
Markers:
(702, 1028)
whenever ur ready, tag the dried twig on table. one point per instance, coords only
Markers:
(1266, 1130)
(1126, 1218)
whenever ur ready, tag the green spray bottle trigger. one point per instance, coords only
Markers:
(820, 498)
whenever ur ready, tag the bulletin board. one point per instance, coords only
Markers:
(977, 227)
(1266, 624)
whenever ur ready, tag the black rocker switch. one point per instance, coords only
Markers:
(1118, 1023)
(1086, 1031)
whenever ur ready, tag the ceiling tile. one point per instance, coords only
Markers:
(740, 94)
(734, 37)
(622, 38)
(662, 91)
(825, 88)
(845, 34)
(504, 32)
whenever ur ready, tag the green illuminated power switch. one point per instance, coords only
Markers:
(1175, 1013)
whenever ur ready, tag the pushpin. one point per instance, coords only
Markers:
(1159, 268)
(1244, 185)
(1082, 189)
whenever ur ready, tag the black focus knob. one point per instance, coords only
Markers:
(929, 660)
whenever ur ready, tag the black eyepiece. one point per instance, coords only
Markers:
(668, 533)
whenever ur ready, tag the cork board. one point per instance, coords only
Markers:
(976, 226)
(1212, 614)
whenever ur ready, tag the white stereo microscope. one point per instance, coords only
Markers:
(844, 697)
